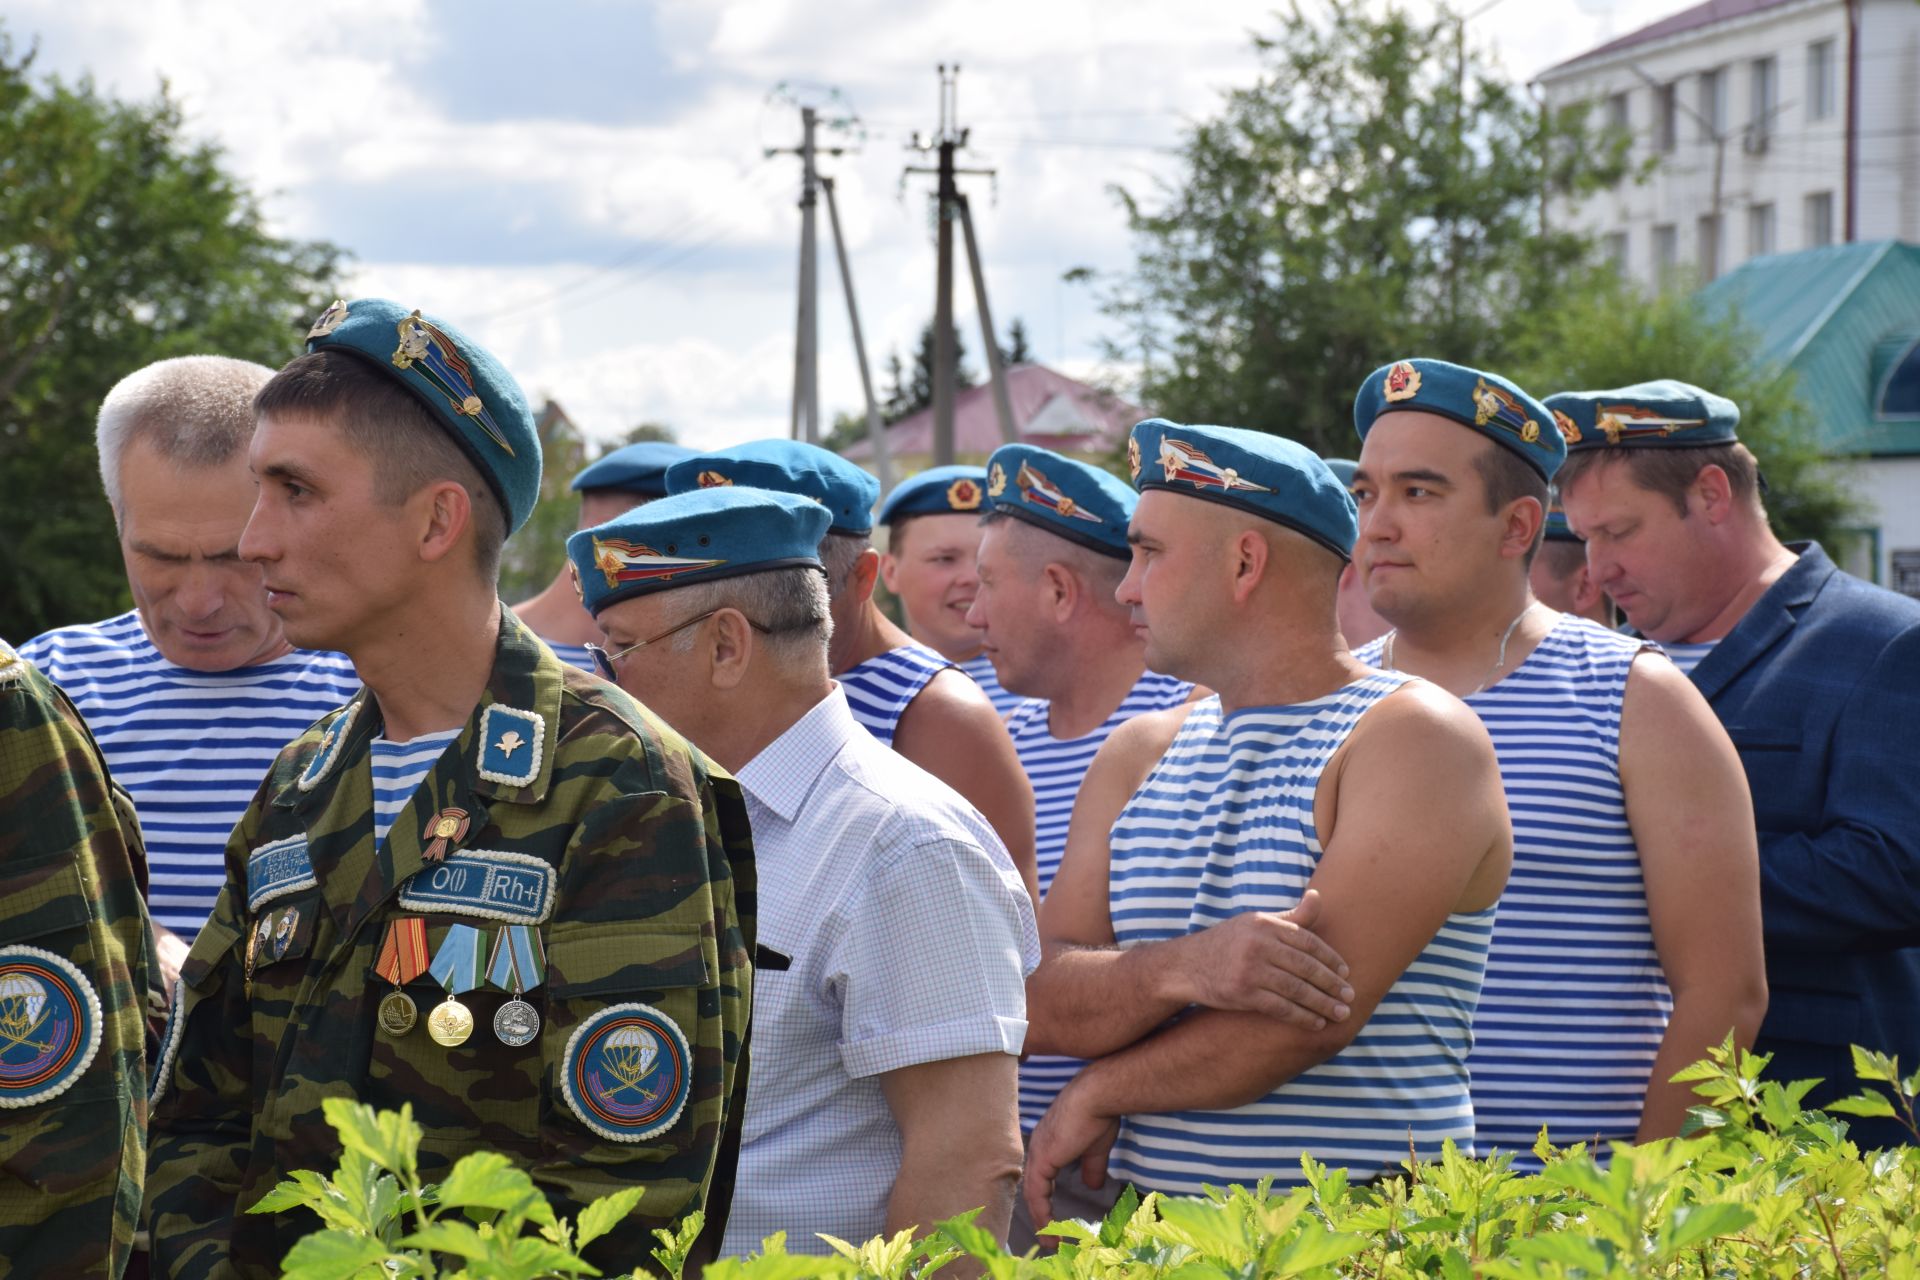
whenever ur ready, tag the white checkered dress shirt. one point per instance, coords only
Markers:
(910, 938)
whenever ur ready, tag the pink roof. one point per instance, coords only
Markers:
(1700, 15)
(1049, 409)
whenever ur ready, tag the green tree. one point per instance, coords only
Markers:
(121, 243)
(917, 393)
(1017, 350)
(534, 554)
(1617, 335)
(652, 432)
(1376, 193)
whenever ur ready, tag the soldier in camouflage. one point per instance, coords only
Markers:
(483, 832)
(75, 954)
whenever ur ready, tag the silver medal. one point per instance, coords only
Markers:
(516, 1023)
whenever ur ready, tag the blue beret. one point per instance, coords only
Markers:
(786, 466)
(1486, 402)
(1267, 475)
(938, 491)
(1343, 469)
(463, 387)
(636, 468)
(1660, 415)
(1080, 502)
(691, 538)
(1558, 530)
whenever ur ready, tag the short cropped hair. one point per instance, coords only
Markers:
(193, 410)
(385, 423)
(1671, 472)
(839, 552)
(1563, 559)
(1100, 574)
(790, 602)
(1506, 477)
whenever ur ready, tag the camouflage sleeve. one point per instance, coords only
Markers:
(202, 1098)
(75, 953)
(649, 945)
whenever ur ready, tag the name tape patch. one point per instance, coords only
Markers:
(277, 869)
(490, 884)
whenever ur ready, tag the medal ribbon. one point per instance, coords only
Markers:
(403, 953)
(519, 960)
(457, 967)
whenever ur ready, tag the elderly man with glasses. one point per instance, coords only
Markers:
(889, 1006)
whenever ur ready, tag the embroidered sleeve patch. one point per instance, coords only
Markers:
(493, 885)
(511, 744)
(49, 1025)
(330, 743)
(277, 869)
(626, 1073)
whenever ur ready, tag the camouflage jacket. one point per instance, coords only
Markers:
(588, 820)
(75, 954)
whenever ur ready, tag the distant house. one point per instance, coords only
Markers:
(1846, 319)
(1049, 409)
(1774, 125)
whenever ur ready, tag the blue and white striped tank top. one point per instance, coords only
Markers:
(398, 769)
(574, 655)
(980, 667)
(879, 689)
(1223, 825)
(1688, 656)
(1056, 767)
(1575, 1003)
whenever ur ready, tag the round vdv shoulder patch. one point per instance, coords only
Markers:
(627, 1072)
(49, 1025)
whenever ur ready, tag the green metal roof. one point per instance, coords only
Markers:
(1828, 313)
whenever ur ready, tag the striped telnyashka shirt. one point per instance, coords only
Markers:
(1056, 767)
(1575, 1003)
(879, 689)
(1688, 656)
(980, 667)
(1224, 824)
(190, 747)
(398, 769)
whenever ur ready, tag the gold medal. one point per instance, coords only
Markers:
(398, 1013)
(450, 1023)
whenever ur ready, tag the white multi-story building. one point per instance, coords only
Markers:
(1773, 125)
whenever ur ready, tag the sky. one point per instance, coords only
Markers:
(581, 185)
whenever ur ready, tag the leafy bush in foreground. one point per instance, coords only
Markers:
(1761, 1187)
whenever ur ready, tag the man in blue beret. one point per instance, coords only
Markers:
(905, 694)
(895, 933)
(473, 831)
(1200, 833)
(623, 479)
(1358, 622)
(933, 537)
(1604, 978)
(1560, 578)
(1816, 676)
(1052, 551)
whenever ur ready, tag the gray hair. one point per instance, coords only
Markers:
(839, 552)
(790, 602)
(193, 410)
(1036, 548)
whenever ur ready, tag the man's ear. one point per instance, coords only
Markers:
(1250, 557)
(446, 513)
(866, 571)
(1061, 591)
(1712, 493)
(729, 648)
(1524, 519)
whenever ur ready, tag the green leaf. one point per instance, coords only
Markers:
(1863, 1104)
(1869, 1065)
(288, 1195)
(389, 1139)
(450, 1236)
(1204, 1227)
(1694, 1223)
(1702, 1118)
(1315, 1246)
(1113, 1228)
(488, 1180)
(1565, 1249)
(604, 1214)
(331, 1255)
(1454, 1265)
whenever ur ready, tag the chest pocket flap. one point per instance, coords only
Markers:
(625, 959)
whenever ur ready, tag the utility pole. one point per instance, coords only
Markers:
(996, 368)
(806, 337)
(876, 430)
(949, 139)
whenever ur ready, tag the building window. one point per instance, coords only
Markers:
(1618, 118)
(1820, 80)
(1709, 237)
(1760, 230)
(1666, 254)
(1665, 118)
(1713, 104)
(1763, 99)
(1900, 389)
(1819, 218)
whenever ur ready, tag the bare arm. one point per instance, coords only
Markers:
(961, 1133)
(1090, 998)
(1418, 830)
(952, 731)
(1692, 820)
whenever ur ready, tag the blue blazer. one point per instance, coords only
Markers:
(1819, 688)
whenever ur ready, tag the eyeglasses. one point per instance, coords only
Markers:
(603, 661)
